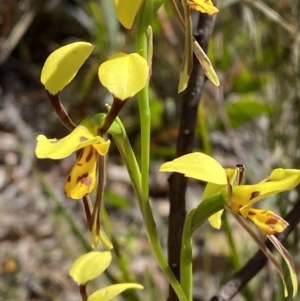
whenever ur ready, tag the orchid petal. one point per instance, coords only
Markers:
(62, 148)
(82, 178)
(263, 248)
(89, 266)
(111, 291)
(289, 261)
(124, 75)
(211, 189)
(204, 6)
(198, 166)
(63, 64)
(279, 180)
(126, 11)
(267, 221)
(215, 220)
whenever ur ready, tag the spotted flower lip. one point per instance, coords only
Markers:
(82, 178)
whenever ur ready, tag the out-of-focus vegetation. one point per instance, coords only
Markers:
(253, 118)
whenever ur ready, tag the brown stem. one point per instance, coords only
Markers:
(99, 195)
(83, 293)
(257, 262)
(111, 115)
(87, 208)
(61, 112)
(178, 183)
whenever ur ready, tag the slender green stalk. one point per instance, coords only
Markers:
(186, 258)
(127, 154)
(194, 220)
(130, 161)
(145, 118)
(144, 108)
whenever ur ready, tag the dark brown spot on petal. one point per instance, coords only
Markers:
(90, 155)
(85, 179)
(69, 178)
(255, 213)
(272, 220)
(254, 194)
(81, 177)
(81, 139)
(79, 164)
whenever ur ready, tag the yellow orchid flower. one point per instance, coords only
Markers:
(240, 199)
(82, 178)
(204, 6)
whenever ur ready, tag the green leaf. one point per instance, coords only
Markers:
(186, 257)
(115, 199)
(242, 112)
(111, 291)
(246, 82)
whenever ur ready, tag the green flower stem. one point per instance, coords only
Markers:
(128, 157)
(195, 219)
(145, 118)
(186, 271)
(146, 210)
